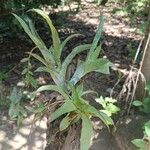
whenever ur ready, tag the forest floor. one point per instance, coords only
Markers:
(119, 43)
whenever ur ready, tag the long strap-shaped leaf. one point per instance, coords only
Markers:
(53, 88)
(38, 42)
(99, 65)
(67, 107)
(32, 28)
(57, 78)
(104, 117)
(67, 40)
(34, 32)
(96, 53)
(55, 36)
(44, 69)
(69, 58)
(86, 132)
(97, 37)
(40, 59)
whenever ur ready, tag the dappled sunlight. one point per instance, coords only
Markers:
(85, 83)
(28, 136)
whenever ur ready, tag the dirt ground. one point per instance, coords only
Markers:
(117, 36)
(27, 136)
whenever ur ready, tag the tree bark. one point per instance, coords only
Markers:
(140, 92)
(146, 63)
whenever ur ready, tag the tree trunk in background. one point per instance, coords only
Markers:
(146, 63)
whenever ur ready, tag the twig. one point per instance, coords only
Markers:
(118, 81)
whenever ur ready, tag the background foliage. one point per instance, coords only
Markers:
(20, 6)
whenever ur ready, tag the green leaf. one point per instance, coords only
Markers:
(148, 86)
(37, 109)
(31, 80)
(16, 95)
(42, 47)
(64, 124)
(20, 119)
(108, 113)
(23, 24)
(98, 65)
(13, 110)
(24, 60)
(53, 88)
(146, 105)
(104, 117)
(24, 71)
(40, 59)
(43, 69)
(16, 111)
(74, 91)
(55, 36)
(97, 37)
(96, 53)
(79, 73)
(67, 40)
(147, 128)
(79, 90)
(58, 79)
(137, 103)
(67, 107)
(104, 66)
(86, 132)
(139, 143)
(110, 100)
(112, 108)
(69, 58)
(32, 28)
(101, 101)
(89, 92)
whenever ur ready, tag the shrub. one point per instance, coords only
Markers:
(19, 6)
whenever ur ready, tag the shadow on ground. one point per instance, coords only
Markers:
(115, 40)
(28, 136)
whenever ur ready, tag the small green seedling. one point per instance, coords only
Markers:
(108, 105)
(144, 143)
(16, 111)
(144, 105)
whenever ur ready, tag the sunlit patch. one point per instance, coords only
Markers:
(41, 80)
(2, 135)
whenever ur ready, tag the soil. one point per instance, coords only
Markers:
(118, 34)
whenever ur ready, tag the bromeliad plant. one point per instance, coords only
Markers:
(75, 107)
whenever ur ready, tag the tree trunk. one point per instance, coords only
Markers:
(146, 62)
(140, 93)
